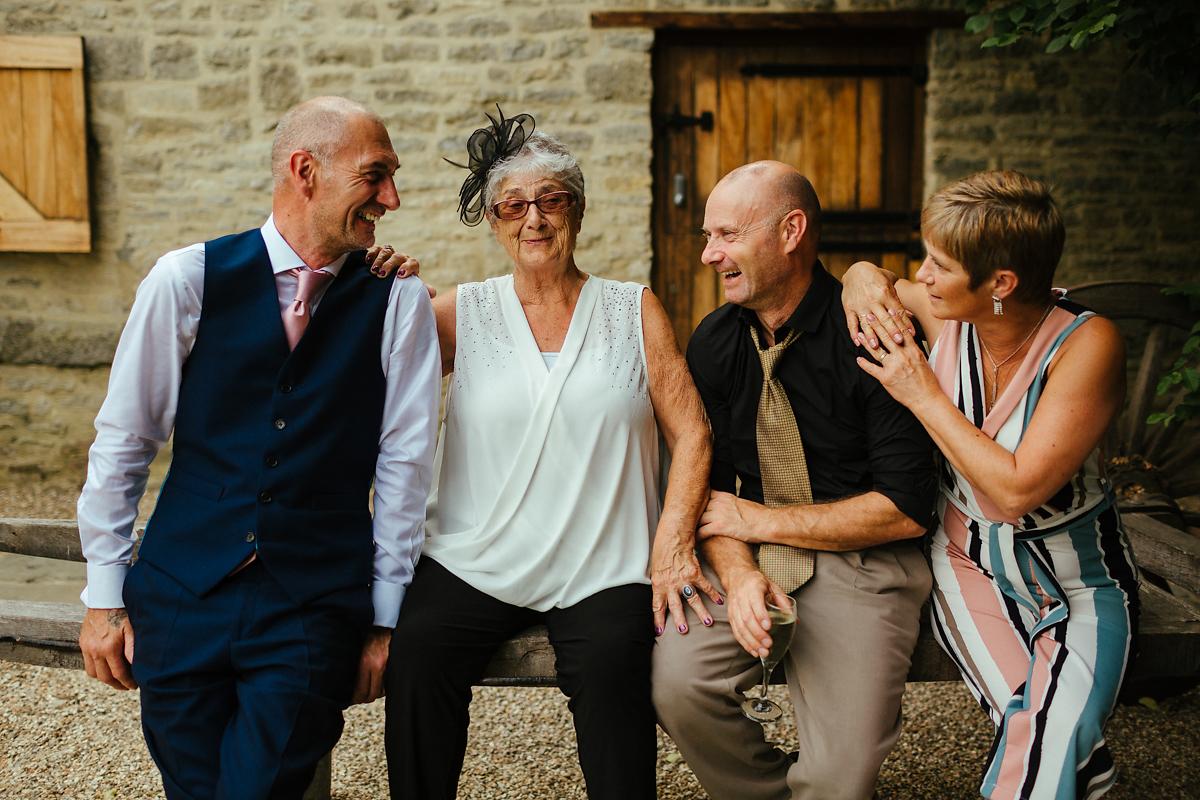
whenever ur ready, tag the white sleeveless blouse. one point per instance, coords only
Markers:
(545, 485)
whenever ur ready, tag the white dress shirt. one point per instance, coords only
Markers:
(138, 415)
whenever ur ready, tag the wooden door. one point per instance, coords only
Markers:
(846, 109)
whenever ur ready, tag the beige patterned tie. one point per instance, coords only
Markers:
(783, 467)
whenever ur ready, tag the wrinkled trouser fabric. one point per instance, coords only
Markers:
(1042, 629)
(857, 622)
(242, 691)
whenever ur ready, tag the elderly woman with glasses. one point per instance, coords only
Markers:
(546, 503)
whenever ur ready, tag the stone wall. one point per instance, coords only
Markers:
(1121, 162)
(183, 95)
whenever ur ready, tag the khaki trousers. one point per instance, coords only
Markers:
(857, 623)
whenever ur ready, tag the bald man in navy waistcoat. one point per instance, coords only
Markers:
(263, 596)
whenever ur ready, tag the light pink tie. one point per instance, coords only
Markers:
(297, 315)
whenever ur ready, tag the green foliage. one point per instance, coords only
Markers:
(1074, 22)
(1163, 35)
(1184, 375)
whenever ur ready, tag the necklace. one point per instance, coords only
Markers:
(997, 365)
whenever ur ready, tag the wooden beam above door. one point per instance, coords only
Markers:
(799, 20)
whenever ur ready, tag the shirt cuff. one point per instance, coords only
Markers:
(104, 585)
(387, 597)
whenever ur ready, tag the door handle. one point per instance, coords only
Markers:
(679, 190)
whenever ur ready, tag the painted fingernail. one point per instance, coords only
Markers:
(657, 631)
(898, 338)
(708, 620)
(403, 273)
(720, 601)
(683, 628)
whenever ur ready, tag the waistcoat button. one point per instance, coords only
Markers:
(280, 424)
(264, 497)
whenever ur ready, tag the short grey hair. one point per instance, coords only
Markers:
(541, 155)
(318, 126)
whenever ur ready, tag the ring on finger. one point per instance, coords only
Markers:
(687, 591)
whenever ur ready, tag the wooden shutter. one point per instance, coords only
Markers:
(43, 153)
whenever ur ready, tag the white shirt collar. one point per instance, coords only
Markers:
(283, 257)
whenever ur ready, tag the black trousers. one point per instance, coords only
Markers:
(447, 633)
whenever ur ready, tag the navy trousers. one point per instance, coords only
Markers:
(446, 635)
(242, 690)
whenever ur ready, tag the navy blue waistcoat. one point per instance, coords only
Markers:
(274, 450)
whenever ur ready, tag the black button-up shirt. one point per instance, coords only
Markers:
(857, 439)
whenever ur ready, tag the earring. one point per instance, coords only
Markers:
(997, 306)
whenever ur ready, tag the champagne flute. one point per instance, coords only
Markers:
(783, 622)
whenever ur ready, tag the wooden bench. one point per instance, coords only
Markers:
(45, 634)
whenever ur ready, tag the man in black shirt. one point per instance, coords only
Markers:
(872, 483)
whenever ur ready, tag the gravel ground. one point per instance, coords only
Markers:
(66, 737)
(63, 736)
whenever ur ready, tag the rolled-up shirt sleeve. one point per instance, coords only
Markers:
(900, 454)
(137, 417)
(412, 365)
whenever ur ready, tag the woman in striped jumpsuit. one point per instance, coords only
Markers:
(1035, 589)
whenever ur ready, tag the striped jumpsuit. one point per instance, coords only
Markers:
(1039, 613)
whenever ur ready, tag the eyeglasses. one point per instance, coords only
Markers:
(549, 203)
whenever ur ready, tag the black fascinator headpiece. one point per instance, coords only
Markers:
(485, 147)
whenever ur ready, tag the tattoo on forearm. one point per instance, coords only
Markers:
(116, 617)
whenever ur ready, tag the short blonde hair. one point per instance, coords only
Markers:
(999, 219)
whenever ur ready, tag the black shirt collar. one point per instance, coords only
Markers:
(808, 315)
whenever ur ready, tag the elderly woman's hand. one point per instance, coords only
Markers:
(384, 260)
(903, 370)
(873, 309)
(676, 578)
